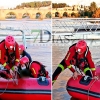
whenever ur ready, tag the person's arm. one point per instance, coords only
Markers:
(17, 55)
(91, 63)
(68, 58)
(2, 60)
(27, 55)
(65, 63)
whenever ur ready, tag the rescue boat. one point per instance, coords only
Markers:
(25, 89)
(84, 87)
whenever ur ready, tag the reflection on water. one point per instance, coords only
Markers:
(59, 87)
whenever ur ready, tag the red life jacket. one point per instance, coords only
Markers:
(80, 63)
(38, 69)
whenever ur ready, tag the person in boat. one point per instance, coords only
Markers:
(78, 56)
(24, 66)
(24, 53)
(38, 69)
(9, 54)
(34, 69)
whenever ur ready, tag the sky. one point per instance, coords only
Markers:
(14, 3)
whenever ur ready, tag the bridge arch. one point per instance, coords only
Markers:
(38, 15)
(10, 15)
(26, 15)
(57, 14)
(48, 15)
(65, 14)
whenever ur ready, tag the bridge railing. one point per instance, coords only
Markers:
(21, 38)
(70, 30)
(31, 29)
(37, 36)
(73, 26)
(27, 25)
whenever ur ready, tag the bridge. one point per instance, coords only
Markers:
(62, 12)
(43, 11)
(32, 12)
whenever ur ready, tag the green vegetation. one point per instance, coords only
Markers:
(59, 5)
(35, 4)
(82, 11)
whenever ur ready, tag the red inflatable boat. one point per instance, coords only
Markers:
(25, 89)
(84, 88)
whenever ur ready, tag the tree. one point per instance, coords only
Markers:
(82, 6)
(59, 5)
(54, 5)
(93, 7)
(96, 13)
(34, 4)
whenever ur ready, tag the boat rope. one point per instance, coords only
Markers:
(15, 79)
(5, 88)
(91, 87)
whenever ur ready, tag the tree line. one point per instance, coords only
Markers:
(35, 4)
(89, 11)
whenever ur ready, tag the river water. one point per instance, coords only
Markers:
(58, 53)
(27, 25)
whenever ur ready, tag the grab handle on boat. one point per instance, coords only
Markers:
(43, 81)
(42, 78)
(85, 80)
(86, 77)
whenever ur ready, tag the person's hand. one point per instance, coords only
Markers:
(53, 82)
(75, 74)
(96, 77)
(15, 68)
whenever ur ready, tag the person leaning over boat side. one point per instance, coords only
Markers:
(24, 62)
(38, 69)
(34, 69)
(24, 66)
(24, 53)
(9, 54)
(78, 55)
